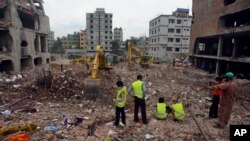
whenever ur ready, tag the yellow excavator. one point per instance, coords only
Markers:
(82, 59)
(92, 83)
(142, 59)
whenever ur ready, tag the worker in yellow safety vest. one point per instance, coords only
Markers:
(139, 93)
(178, 110)
(120, 102)
(162, 109)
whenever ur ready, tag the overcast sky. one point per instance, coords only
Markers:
(67, 16)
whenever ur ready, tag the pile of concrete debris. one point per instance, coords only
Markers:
(55, 103)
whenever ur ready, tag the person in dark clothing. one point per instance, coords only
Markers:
(139, 93)
(213, 111)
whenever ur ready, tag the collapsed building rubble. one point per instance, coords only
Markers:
(61, 94)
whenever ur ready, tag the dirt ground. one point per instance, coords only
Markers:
(59, 95)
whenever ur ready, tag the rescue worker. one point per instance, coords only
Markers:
(178, 110)
(120, 102)
(162, 109)
(227, 100)
(139, 93)
(213, 111)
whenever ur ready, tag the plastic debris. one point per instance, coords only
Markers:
(19, 137)
(51, 128)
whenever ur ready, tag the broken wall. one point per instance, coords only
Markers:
(206, 15)
(25, 35)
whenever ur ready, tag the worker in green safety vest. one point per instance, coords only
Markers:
(162, 109)
(139, 93)
(120, 102)
(178, 110)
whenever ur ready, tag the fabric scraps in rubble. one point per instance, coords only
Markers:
(73, 120)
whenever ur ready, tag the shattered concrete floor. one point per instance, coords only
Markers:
(64, 97)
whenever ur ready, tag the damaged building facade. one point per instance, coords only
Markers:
(24, 28)
(220, 36)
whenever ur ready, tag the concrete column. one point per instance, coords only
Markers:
(195, 62)
(217, 70)
(39, 43)
(220, 44)
(234, 48)
(46, 44)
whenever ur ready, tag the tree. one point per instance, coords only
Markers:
(57, 47)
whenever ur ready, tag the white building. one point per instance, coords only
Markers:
(99, 30)
(169, 34)
(118, 34)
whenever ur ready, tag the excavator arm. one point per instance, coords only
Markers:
(92, 84)
(142, 59)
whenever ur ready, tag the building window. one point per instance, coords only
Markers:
(106, 21)
(91, 31)
(110, 16)
(106, 37)
(111, 26)
(169, 48)
(171, 20)
(91, 43)
(106, 32)
(110, 32)
(178, 30)
(106, 48)
(92, 48)
(106, 43)
(106, 26)
(91, 21)
(227, 2)
(159, 20)
(106, 15)
(177, 40)
(171, 30)
(177, 49)
(91, 15)
(178, 21)
(110, 21)
(170, 39)
(110, 37)
(91, 26)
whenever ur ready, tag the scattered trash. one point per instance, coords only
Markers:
(111, 132)
(6, 130)
(19, 137)
(51, 128)
(148, 136)
(17, 86)
(6, 112)
(73, 120)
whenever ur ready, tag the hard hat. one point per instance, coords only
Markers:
(229, 75)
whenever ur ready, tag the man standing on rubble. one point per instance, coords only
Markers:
(227, 100)
(120, 102)
(139, 93)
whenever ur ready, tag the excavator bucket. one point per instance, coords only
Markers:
(91, 87)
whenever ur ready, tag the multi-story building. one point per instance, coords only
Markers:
(220, 36)
(24, 29)
(71, 41)
(118, 34)
(83, 39)
(51, 39)
(99, 30)
(169, 34)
